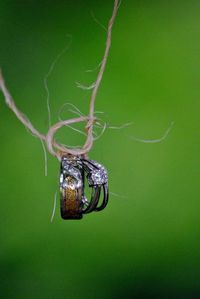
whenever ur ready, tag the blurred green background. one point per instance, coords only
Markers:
(145, 244)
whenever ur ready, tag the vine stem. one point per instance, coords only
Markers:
(53, 147)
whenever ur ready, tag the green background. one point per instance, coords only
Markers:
(145, 244)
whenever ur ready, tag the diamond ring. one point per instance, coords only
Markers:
(74, 172)
(97, 179)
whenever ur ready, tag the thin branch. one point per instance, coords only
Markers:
(89, 127)
(45, 158)
(118, 195)
(55, 148)
(94, 69)
(52, 66)
(54, 206)
(101, 133)
(11, 104)
(121, 127)
(75, 111)
(98, 22)
(105, 58)
(162, 138)
(50, 135)
(86, 87)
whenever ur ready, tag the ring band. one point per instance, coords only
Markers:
(97, 179)
(71, 189)
(96, 191)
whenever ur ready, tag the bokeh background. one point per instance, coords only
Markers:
(145, 244)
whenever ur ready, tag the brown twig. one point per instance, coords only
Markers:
(53, 147)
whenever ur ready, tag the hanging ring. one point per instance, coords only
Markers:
(71, 188)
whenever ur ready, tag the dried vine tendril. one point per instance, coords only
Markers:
(53, 147)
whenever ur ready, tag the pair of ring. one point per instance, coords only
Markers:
(75, 170)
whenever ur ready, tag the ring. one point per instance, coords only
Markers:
(97, 178)
(71, 188)
(74, 171)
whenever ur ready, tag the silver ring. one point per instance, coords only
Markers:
(97, 179)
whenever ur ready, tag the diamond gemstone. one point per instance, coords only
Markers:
(97, 177)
